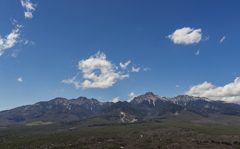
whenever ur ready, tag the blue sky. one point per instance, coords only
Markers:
(74, 48)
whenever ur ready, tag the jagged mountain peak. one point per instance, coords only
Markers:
(58, 100)
(148, 100)
(149, 96)
(83, 100)
(80, 100)
(186, 98)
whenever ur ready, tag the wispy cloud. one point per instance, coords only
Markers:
(124, 66)
(222, 39)
(114, 100)
(72, 81)
(186, 36)
(146, 69)
(97, 72)
(26, 42)
(229, 93)
(198, 52)
(32, 43)
(205, 38)
(14, 21)
(131, 95)
(30, 7)
(135, 69)
(177, 85)
(15, 53)
(20, 79)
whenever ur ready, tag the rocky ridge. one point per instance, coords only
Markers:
(141, 107)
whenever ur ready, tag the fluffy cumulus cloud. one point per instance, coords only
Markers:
(30, 7)
(114, 100)
(186, 36)
(222, 39)
(124, 66)
(135, 69)
(20, 79)
(9, 41)
(97, 73)
(228, 93)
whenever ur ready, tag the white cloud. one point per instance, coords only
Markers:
(14, 22)
(72, 81)
(19, 26)
(115, 99)
(26, 42)
(135, 69)
(131, 95)
(222, 39)
(146, 69)
(9, 41)
(124, 66)
(186, 36)
(97, 72)
(197, 53)
(20, 79)
(30, 8)
(15, 53)
(228, 93)
(177, 85)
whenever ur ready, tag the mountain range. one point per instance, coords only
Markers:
(143, 107)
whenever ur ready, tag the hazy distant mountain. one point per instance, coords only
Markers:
(141, 107)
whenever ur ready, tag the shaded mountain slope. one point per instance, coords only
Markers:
(122, 111)
(141, 107)
(166, 107)
(56, 110)
(205, 105)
